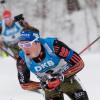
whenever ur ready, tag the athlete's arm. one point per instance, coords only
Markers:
(21, 20)
(71, 57)
(24, 76)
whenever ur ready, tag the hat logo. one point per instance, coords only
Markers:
(36, 35)
(26, 35)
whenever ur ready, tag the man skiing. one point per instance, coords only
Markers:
(44, 58)
(10, 31)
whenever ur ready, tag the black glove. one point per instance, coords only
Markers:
(43, 85)
(19, 17)
(53, 82)
(59, 76)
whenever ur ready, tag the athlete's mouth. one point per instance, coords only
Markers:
(27, 54)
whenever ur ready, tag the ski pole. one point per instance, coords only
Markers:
(14, 57)
(89, 45)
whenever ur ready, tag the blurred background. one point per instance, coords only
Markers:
(75, 22)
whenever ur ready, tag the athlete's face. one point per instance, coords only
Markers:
(31, 49)
(8, 21)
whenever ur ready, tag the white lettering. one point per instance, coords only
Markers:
(38, 68)
(50, 63)
(27, 35)
(44, 65)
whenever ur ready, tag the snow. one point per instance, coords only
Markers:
(77, 30)
(90, 75)
(9, 85)
(11, 90)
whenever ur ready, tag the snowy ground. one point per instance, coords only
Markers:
(10, 88)
(67, 28)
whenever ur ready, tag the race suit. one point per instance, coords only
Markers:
(53, 53)
(10, 35)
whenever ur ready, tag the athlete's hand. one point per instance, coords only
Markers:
(53, 84)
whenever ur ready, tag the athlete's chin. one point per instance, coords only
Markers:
(28, 54)
(32, 55)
